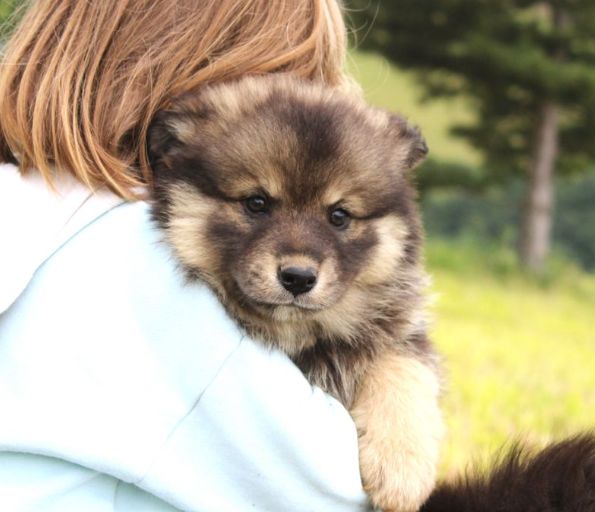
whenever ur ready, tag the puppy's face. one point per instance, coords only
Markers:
(290, 199)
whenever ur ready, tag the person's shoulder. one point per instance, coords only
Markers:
(123, 233)
(123, 249)
(112, 296)
(109, 346)
(123, 269)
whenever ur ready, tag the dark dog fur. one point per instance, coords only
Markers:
(560, 478)
(268, 174)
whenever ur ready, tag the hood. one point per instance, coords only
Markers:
(35, 221)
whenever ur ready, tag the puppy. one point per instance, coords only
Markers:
(293, 202)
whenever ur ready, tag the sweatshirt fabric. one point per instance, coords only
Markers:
(124, 388)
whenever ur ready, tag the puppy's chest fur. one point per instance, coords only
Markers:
(334, 351)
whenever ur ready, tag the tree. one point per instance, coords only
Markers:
(530, 67)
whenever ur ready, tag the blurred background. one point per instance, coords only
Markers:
(504, 91)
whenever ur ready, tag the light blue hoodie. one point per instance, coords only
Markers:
(122, 388)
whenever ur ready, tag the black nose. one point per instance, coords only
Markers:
(297, 280)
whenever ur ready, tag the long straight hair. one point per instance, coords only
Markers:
(81, 80)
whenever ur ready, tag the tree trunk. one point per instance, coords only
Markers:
(538, 209)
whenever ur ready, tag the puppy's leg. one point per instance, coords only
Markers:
(400, 429)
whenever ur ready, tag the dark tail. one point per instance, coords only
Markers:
(560, 478)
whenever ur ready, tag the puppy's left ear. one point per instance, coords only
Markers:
(162, 137)
(410, 142)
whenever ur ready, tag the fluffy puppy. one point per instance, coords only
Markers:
(292, 201)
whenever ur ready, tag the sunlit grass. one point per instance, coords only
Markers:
(519, 353)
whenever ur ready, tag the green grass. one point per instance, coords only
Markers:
(519, 352)
(399, 91)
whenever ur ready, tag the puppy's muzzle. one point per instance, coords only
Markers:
(297, 280)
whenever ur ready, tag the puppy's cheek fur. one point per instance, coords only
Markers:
(355, 247)
(186, 227)
(400, 429)
(391, 233)
(189, 228)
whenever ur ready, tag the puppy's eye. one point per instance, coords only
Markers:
(339, 218)
(257, 204)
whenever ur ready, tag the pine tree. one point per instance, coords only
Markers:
(529, 66)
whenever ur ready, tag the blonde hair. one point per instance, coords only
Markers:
(81, 80)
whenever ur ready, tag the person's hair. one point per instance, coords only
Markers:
(81, 80)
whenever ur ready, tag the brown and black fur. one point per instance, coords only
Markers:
(560, 478)
(360, 333)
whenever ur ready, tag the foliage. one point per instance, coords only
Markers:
(492, 215)
(509, 55)
(574, 229)
(439, 174)
(518, 351)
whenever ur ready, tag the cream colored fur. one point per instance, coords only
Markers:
(400, 429)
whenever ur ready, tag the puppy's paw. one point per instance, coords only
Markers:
(396, 482)
(400, 431)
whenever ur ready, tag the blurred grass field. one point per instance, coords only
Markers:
(519, 352)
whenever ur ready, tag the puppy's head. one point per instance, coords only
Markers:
(290, 199)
